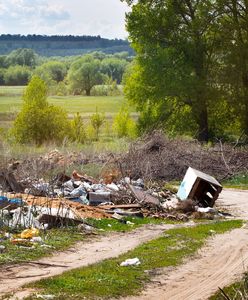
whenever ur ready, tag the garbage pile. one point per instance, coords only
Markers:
(67, 200)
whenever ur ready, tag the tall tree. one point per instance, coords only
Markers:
(84, 74)
(52, 71)
(175, 41)
(22, 57)
(38, 121)
(235, 56)
(114, 68)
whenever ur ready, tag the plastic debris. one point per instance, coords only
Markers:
(206, 210)
(130, 262)
(2, 248)
(30, 233)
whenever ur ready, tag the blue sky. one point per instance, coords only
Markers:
(80, 17)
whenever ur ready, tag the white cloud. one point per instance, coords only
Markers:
(81, 17)
(25, 16)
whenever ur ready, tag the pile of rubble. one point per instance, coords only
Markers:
(72, 199)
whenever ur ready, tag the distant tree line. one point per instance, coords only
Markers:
(62, 45)
(71, 75)
(58, 38)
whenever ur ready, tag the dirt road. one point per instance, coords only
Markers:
(220, 262)
(234, 201)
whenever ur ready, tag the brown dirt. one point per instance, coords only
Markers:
(219, 263)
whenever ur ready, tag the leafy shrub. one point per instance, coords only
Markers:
(110, 88)
(124, 125)
(38, 121)
(61, 89)
(90, 132)
(97, 120)
(78, 133)
(100, 90)
(17, 75)
(52, 70)
(2, 71)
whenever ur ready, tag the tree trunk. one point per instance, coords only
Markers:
(200, 115)
(88, 92)
(203, 131)
(200, 110)
(245, 119)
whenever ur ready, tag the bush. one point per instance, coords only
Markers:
(97, 120)
(2, 71)
(110, 88)
(78, 133)
(39, 122)
(17, 75)
(124, 125)
(100, 90)
(90, 133)
(61, 89)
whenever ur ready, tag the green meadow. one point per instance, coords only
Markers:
(11, 101)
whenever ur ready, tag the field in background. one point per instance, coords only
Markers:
(11, 103)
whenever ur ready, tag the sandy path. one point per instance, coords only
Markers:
(234, 201)
(83, 254)
(219, 263)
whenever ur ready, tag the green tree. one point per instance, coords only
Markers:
(3, 63)
(114, 68)
(52, 71)
(22, 57)
(123, 55)
(234, 75)
(84, 74)
(17, 75)
(2, 72)
(38, 121)
(175, 43)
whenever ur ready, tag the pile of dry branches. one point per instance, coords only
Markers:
(158, 157)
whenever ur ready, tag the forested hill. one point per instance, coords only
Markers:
(57, 45)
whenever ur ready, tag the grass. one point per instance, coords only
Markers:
(107, 279)
(237, 182)
(89, 150)
(87, 105)
(114, 225)
(235, 291)
(62, 238)
(11, 101)
(56, 239)
(172, 186)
